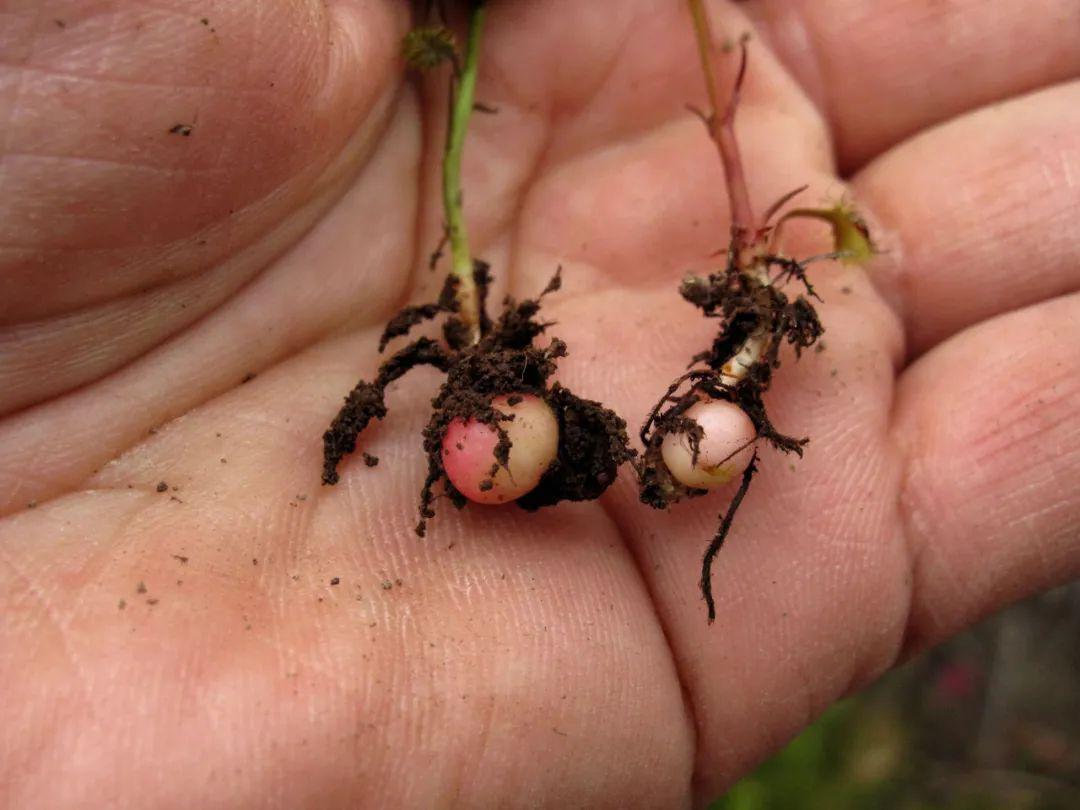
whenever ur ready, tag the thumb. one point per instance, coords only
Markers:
(145, 144)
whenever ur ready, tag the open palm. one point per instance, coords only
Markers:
(195, 193)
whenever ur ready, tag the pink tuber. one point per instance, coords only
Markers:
(468, 451)
(724, 451)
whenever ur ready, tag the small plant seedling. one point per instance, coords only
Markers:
(704, 431)
(500, 430)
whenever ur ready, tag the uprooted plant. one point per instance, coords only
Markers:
(704, 431)
(500, 430)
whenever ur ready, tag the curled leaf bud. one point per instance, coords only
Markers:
(851, 236)
(429, 46)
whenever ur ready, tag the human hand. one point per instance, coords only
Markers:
(187, 647)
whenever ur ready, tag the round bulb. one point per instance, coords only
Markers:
(724, 451)
(468, 451)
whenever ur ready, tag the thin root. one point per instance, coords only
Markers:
(721, 535)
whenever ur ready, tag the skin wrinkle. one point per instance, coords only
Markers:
(902, 451)
(426, 163)
(96, 161)
(116, 20)
(50, 611)
(582, 98)
(533, 172)
(925, 625)
(819, 94)
(462, 775)
(607, 506)
(909, 642)
(126, 329)
(108, 318)
(690, 718)
(563, 162)
(210, 89)
(530, 177)
(220, 141)
(915, 635)
(794, 26)
(114, 27)
(16, 109)
(890, 643)
(387, 119)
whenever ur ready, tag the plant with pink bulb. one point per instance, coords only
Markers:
(500, 430)
(704, 431)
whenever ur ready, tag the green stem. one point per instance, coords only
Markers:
(462, 100)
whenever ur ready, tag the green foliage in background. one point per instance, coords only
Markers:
(863, 754)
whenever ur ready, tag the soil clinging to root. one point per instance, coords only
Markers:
(592, 439)
(751, 308)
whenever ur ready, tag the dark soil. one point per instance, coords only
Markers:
(592, 439)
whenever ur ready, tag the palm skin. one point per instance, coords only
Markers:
(558, 658)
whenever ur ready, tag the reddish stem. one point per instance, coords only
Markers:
(722, 127)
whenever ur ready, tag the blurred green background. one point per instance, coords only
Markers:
(989, 721)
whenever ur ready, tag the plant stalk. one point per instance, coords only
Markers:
(745, 232)
(722, 128)
(462, 100)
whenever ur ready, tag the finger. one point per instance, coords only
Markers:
(988, 422)
(351, 663)
(146, 145)
(340, 275)
(883, 70)
(810, 585)
(594, 161)
(978, 215)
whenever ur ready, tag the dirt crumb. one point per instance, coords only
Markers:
(505, 361)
